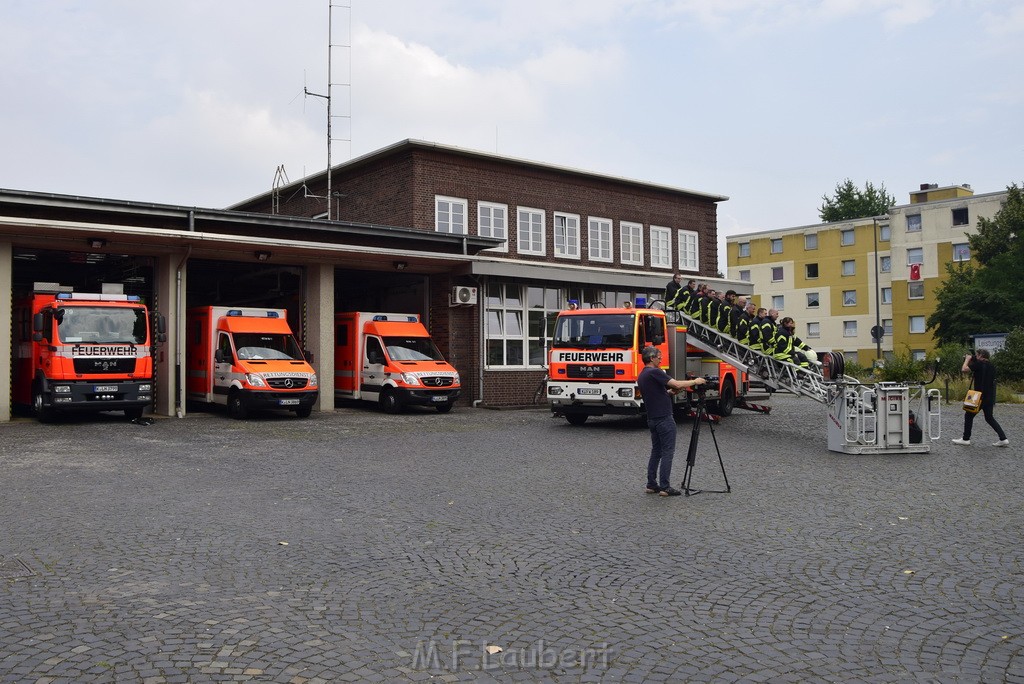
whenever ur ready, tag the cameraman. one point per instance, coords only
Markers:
(657, 388)
(984, 382)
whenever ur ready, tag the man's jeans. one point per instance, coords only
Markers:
(663, 448)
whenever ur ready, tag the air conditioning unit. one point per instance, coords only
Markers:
(462, 294)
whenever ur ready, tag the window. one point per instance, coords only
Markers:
(599, 239)
(915, 290)
(915, 255)
(919, 354)
(567, 235)
(887, 295)
(913, 223)
(916, 324)
(813, 300)
(661, 247)
(688, 260)
(744, 249)
(776, 245)
(849, 297)
(849, 267)
(884, 232)
(779, 302)
(631, 243)
(814, 330)
(811, 241)
(450, 215)
(850, 356)
(961, 251)
(811, 270)
(960, 217)
(849, 328)
(776, 273)
(887, 326)
(530, 231)
(846, 237)
(517, 318)
(492, 221)
(885, 264)
(745, 275)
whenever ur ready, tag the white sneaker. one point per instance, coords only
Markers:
(965, 442)
(1002, 442)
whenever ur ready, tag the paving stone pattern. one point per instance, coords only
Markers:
(363, 547)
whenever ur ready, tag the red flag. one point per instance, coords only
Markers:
(915, 271)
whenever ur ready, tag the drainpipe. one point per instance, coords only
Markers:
(482, 339)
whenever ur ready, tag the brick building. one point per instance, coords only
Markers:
(566, 235)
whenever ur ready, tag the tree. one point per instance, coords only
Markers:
(985, 298)
(850, 202)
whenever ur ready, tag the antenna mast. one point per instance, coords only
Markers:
(330, 84)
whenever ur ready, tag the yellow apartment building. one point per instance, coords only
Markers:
(840, 280)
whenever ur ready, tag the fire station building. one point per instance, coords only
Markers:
(486, 248)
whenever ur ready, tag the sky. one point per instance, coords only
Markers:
(769, 102)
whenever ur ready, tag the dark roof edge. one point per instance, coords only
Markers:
(412, 143)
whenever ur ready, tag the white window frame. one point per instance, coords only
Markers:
(813, 330)
(915, 250)
(885, 264)
(910, 325)
(887, 326)
(772, 243)
(446, 206)
(849, 301)
(631, 243)
(849, 328)
(853, 267)
(817, 300)
(782, 274)
(689, 250)
(911, 285)
(566, 233)
(492, 221)
(535, 242)
(886, 295)
(599, 239)
(743, 249)
(811, 241)
(661, 247)
(884, 232)
(847, 232)
(967, 217)
(965, 251)
(744, 275)
(779, 302)
(913, 223)
(807, 273)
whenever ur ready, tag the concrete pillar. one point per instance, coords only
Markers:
(169, 300)
(6, 314)
(319, 334)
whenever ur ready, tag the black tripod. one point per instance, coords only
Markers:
(699, 416)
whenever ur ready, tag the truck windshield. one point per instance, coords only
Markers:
(101, 324)
(267, 346)
(412, 349)
(594, 331)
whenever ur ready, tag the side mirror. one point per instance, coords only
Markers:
(37, 324)
(161, 325)
(308, 355)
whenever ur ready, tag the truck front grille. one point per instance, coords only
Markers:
(104, 366)
(437, 381)
(287, 383)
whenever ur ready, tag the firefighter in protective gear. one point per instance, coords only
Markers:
(789, 347)
(681, 300)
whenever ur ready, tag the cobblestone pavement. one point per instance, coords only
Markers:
(364, 547)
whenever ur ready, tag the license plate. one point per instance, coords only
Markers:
(288, 402)
(439, 399)
(589, 390)
(104, 388)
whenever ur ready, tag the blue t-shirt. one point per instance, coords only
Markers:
(653, 383)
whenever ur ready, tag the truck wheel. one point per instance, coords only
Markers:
(576, 418)
(727, 400)
(389, 401)
(44, 414)
(445, 408)
(133, 413)
(236, 409)
(304, 411)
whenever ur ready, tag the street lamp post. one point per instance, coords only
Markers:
(878, 331)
